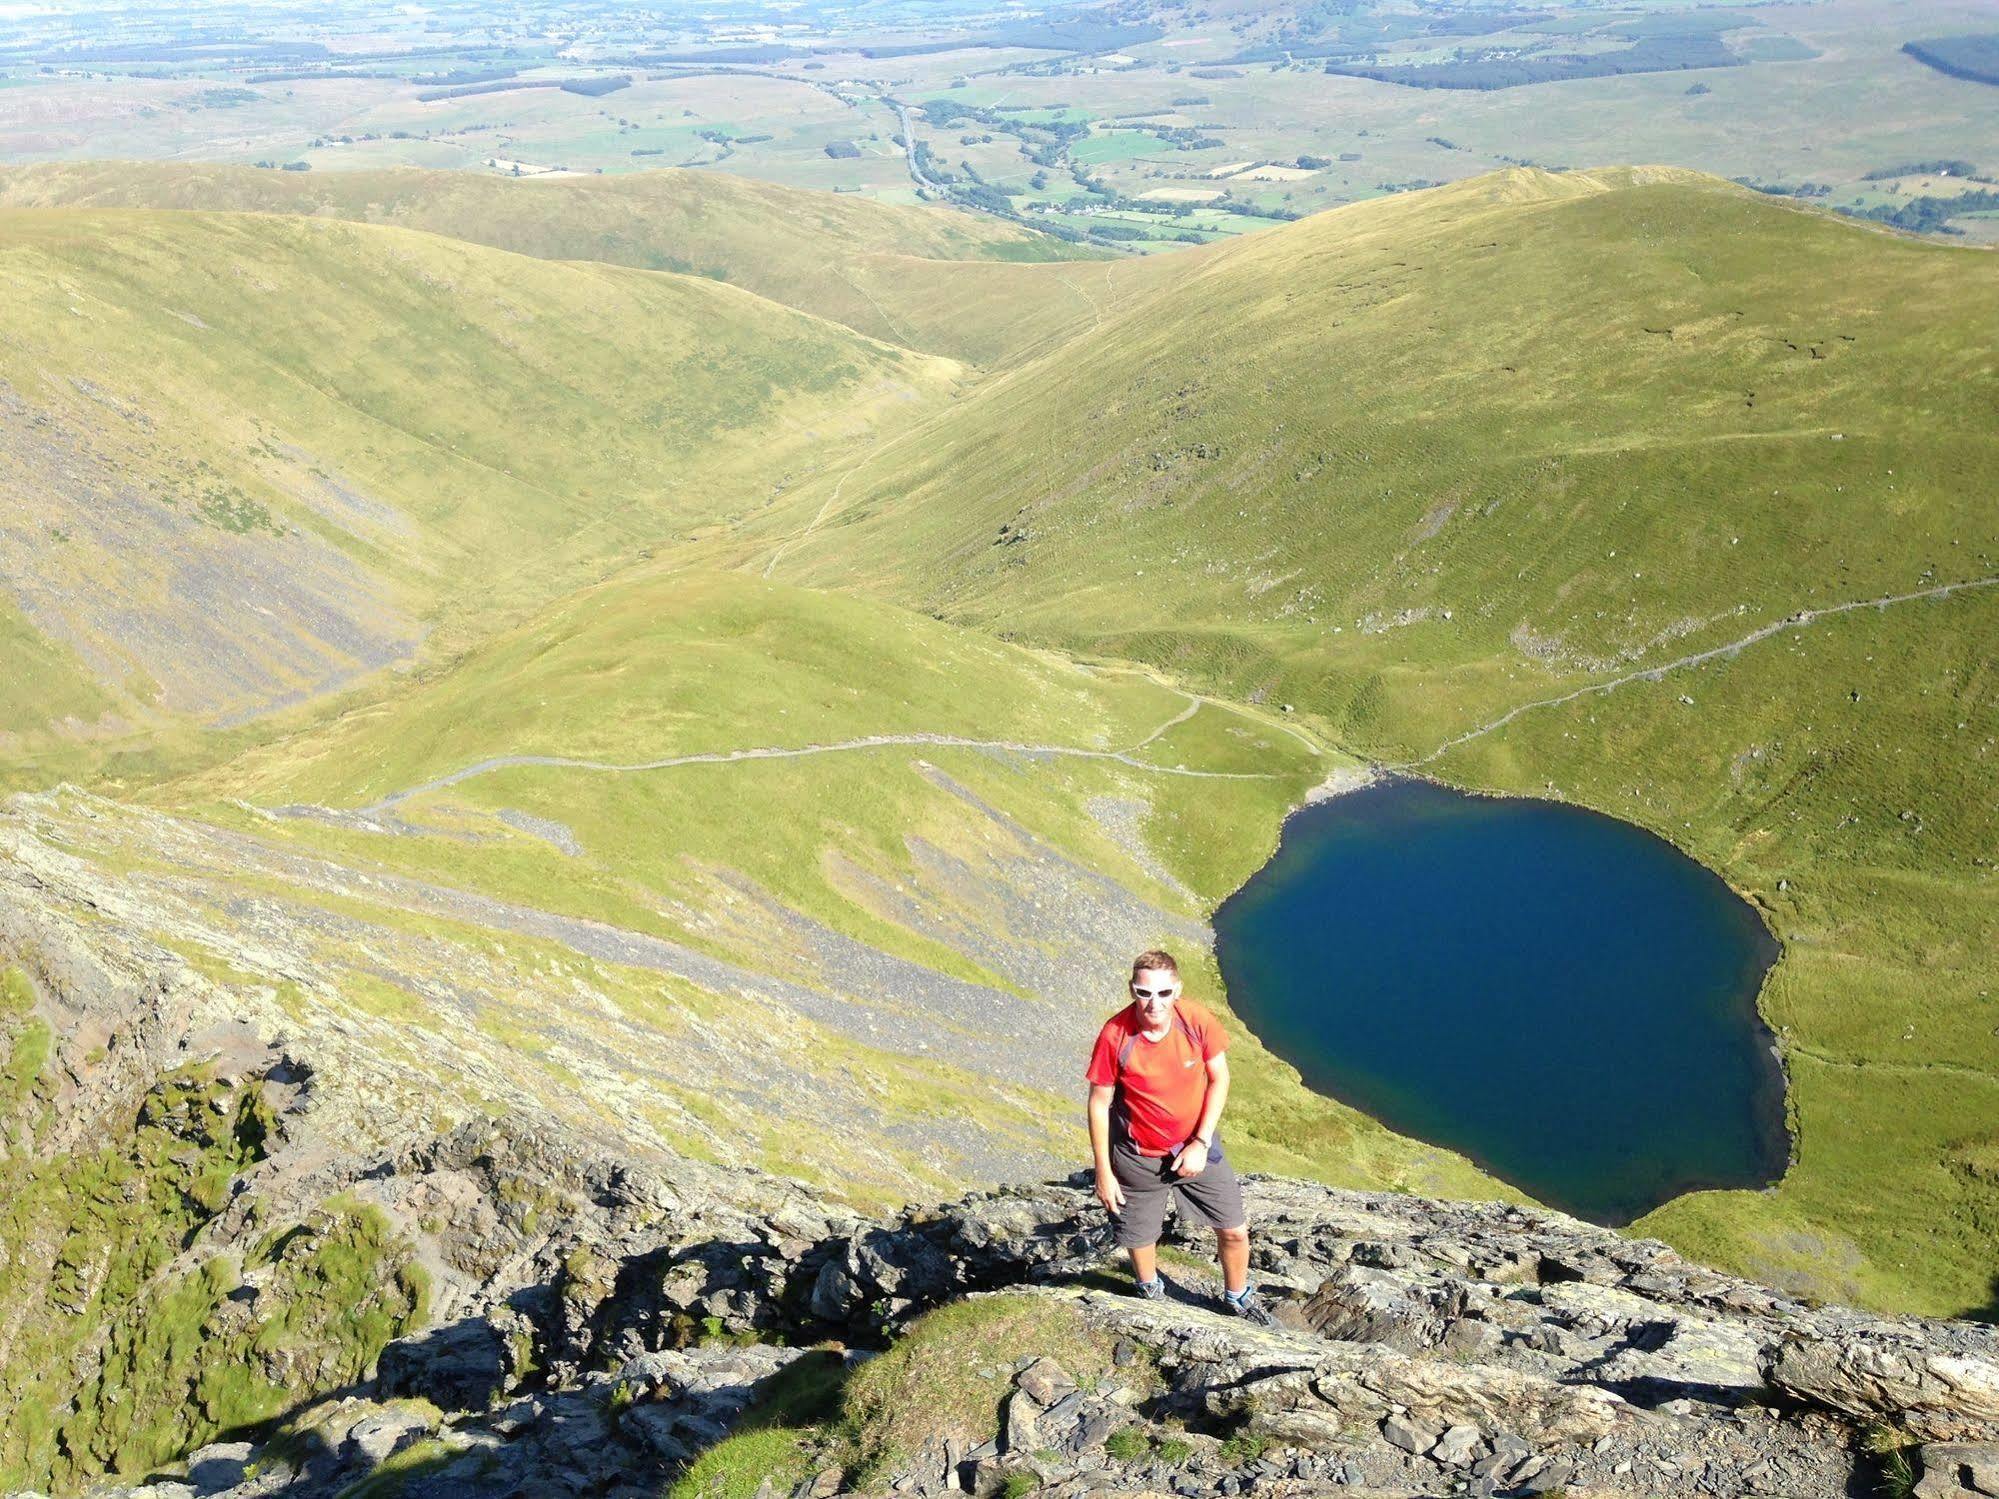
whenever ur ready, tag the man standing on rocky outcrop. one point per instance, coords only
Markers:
(1158, 1080)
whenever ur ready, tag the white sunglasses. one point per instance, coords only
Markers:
(1167, 993)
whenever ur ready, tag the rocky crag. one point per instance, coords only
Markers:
(1423, 1348)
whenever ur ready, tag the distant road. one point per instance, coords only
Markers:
(909, 146)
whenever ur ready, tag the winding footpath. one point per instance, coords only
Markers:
(826, 506)
(1129, 755)
(1789, 622)
(1126, 756)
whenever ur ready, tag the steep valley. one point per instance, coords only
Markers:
(253, 459)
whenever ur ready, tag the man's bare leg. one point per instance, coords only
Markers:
(1232, 1244)
(1145, 1262)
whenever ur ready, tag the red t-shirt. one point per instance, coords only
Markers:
(1165, 1082)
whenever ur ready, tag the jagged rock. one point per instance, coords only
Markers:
(837, 1295)
(1023, 1432)
(903, 1269)
(1951, 1470)
(1458, 1446)
(1412, 1435)
(1937, 1393)
(658, 1429)
(1477, 1341)
(375, 1438)
(1299, 1426)
(1044, 1382)
(1548, 1478)
(219, 1466)
(1658, 1349)
(1363, 1385)
(1362, 1305)
(1445, 1365)
(989, 1477)
(464, 1366)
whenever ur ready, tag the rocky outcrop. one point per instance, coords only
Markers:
(1939, 1389)
(1422, 1348)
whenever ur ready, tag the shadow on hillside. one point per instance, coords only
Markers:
(543, 1396)
(529, 1439)
(1990, 1311)
(580, 1386)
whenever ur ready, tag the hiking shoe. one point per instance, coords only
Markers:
(1247, 1307)
(1154, 1289)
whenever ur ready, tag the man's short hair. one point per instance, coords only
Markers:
(1157, 960)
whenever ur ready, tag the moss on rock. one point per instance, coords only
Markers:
(129, 1345)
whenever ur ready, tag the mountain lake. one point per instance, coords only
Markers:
(1564, 998)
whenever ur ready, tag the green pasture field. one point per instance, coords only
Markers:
(1106, 145)
(1856, 105)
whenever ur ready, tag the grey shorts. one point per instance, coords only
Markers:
(1214, 1196)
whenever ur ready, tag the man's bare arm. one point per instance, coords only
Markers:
(1109, 1193)
(1195, 1154)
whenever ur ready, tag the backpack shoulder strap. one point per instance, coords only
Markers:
(1131, 1041)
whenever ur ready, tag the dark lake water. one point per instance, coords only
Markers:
(1563, 997)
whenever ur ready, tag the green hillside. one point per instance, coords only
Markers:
(250, 459)
(895, 273)
(1415, 464)
(714, 760)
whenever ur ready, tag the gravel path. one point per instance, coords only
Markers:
(1795, 621)
(872, 741)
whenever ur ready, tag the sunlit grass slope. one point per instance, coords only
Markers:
(1415, 463)
(999, 862)
(1462, 400)
(249, 459)
(893, 272)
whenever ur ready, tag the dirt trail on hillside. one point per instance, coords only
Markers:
(1128, 756)
(826, 506)
(1790, 622)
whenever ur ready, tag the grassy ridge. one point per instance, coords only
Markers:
(666, 663)
(1413, 464)
(250, 458)
(894, 273)
(1397, 407)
